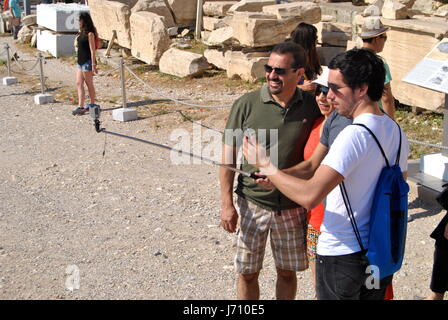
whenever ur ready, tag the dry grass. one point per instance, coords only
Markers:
(424, 127)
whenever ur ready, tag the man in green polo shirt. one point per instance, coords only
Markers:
(285, 114)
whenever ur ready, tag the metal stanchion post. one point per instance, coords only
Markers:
(41, 73)
(199, 19)
(123, 84)
(42, 98)
(124, 114)
(8, 80)
(8, 59)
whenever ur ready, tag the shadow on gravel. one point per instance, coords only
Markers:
(428, 210)
(146, 102)
(137, 104)
(29, 92)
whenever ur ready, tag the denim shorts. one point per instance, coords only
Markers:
(87, 66)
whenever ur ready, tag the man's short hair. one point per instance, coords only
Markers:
(361, 67)
(296, 50)
(369, 40)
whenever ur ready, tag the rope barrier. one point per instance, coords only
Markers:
(198, 123)
(172, 99)
(108, 72)
(21, 67)
(428, 144)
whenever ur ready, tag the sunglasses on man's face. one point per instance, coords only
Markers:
(279, 71)
(334, 87)
(383, 36)
(321, 89)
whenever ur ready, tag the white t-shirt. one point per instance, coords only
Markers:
(356, 156)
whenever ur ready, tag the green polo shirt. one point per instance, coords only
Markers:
(257, 110)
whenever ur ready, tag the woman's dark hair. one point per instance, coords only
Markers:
(360, 67)
(87, 25)
(306, 35)
(297, 52)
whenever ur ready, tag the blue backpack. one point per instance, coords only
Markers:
(388, 217)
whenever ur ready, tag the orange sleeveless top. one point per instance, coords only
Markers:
(315, 215)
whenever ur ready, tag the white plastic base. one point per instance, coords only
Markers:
(7, 81)
(43, 98)
(124, 114)
(435, 164)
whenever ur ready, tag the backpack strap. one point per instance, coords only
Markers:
(397, 161)
(351, 216)
(377, 142)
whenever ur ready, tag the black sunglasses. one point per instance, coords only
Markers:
(321, 89)
(279, 71)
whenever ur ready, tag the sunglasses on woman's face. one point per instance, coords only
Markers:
(321, 89)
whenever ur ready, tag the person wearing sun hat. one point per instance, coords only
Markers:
(373, 35)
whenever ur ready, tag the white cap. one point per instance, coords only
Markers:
(323, 78)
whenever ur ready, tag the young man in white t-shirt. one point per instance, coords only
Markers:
(356, 83)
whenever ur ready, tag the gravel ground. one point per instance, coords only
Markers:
(134, 225)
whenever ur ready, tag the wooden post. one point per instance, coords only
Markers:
(199, 20)
(111, 43)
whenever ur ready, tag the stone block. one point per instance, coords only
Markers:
(8, 81)
(222, 36)
(408, 42)
(245, 66)
(326, 18)
(212, 23)
(3, 20)
(397, 9)
(374, 9)
(155, 6)
(250, 6)
(25, 34)
(124, 114)
(337, 27)
(43, 98)
(216, 57)
(425, 6)
(336, 39)
(184, 11)
(205, 35)
(341, 12)
(351, 44)
(442, 11)
(261, 29)
(328, 53)
(57, 44)
(29, 20)
(217, 8)
(150, 37)
(182, 63)
(173, 31)
(111, 15)
(60, 17)
(308, 12)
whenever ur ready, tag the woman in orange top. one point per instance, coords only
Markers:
(316, 215)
